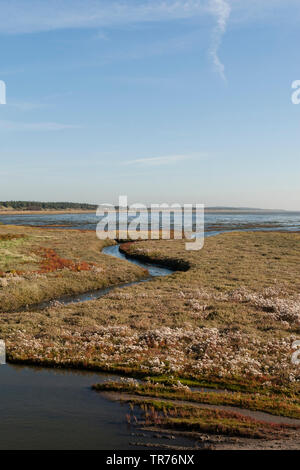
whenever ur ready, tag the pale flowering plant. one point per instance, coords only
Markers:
(296, 354)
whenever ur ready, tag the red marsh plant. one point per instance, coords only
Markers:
(51, 262)
(9, 236)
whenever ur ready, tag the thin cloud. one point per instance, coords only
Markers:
(25, 105)
(101, 35)
(221, 9)
(37, 15)
(35, 126)
(158, 161)
(34, 16)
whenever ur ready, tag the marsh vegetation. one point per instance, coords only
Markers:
(227, 320)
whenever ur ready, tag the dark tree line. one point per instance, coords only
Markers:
(34, 205)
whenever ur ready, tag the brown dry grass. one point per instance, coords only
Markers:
(38, 265)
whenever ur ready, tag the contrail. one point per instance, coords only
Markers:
(221, 9)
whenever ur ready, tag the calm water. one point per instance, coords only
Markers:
(52, 409)
(278, 220)
(49, 409)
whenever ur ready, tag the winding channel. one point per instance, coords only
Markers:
(56, 409)
(154, 270)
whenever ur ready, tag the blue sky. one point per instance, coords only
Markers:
(161, 100)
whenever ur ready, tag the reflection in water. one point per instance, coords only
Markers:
(55, 409)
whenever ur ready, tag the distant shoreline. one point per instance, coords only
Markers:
(89, 211)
